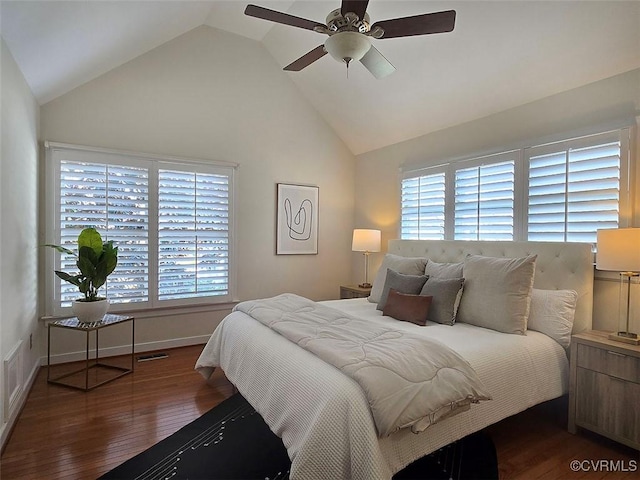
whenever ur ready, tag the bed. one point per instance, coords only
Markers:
(324, 417)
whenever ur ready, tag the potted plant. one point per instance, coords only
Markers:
(95, 260)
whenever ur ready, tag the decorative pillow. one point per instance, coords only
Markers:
(497, 292)
(402, 283)
(446, 293)
(552, 313)
(406, 265)
(408, 308)
(443, 270)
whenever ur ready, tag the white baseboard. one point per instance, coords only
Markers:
(126, 349)
(5, 430)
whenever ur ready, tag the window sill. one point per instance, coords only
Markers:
(155, 312)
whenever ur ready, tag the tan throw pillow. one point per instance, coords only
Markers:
(497, 292)
(406, 307)
(406, 265)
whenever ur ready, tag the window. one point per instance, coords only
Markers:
(423, 207)
(574, 189)
(562, 191)
(484, 202)
(115, 200)
(193, 234)
(171, 220)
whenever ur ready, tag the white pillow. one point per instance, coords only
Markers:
(405, 265)
(497, 292)
(552, 313)
(443, 270)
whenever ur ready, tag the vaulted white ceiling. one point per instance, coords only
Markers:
(501, 54)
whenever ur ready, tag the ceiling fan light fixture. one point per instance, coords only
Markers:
(349, 28)
(347, 46)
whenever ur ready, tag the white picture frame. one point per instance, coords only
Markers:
(297, 219)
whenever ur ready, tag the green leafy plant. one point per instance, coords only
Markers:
(96, 260)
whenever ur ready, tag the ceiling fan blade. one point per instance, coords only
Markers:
(307, 59)
(425, 24)
(375, 62)
(279, 17)
(359, 7)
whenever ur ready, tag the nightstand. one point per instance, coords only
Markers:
(354, 291)
(82, 373)
(604, 387)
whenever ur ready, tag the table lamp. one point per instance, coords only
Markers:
(366, 241)
(619, 250)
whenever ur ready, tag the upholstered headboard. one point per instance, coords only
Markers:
(558, 266)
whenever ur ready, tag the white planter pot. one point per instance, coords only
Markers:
(90, 311)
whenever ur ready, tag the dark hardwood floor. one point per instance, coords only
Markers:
(69, 434)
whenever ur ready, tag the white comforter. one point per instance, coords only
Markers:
(323, 416)
(409, 380)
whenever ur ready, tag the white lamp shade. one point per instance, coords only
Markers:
(365, 240)
(619, 250)
(347, 45)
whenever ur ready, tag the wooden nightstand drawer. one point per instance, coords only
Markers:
(608, 406)
(609, 362)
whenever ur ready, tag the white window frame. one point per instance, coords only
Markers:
(154, 163)
(521, 185)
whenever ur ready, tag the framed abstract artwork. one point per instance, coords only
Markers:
(297, 220)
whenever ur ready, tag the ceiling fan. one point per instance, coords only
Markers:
(349, 30)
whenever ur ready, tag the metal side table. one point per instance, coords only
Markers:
(73, 323)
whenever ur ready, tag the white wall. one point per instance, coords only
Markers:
(604, 102)
(210, 94)
(18, 240)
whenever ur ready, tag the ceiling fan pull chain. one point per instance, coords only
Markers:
(347, 60)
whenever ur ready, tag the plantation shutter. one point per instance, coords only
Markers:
(423, 203)
(171, 219)
(115, 200)
(574, 189)
(193, 234)
(484, 201)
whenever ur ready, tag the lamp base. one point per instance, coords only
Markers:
(625, 337)
(365, 285)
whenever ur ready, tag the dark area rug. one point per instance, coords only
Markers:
(232, 441)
